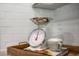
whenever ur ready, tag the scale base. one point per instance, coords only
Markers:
(35, 48)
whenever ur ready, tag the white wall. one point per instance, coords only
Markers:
(66, 24)
(15, 24)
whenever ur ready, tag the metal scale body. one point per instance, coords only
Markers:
(37, 38)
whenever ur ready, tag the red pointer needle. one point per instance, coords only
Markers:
(37, 35)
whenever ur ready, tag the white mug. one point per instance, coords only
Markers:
(55, 44)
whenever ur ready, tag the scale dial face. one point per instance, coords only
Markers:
(37, 37)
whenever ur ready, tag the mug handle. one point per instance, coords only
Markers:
(59, 46)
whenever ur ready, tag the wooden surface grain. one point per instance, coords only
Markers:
(18, 51)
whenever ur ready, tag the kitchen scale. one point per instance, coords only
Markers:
(37, 37)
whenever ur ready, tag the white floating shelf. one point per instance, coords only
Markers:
(51, 6)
